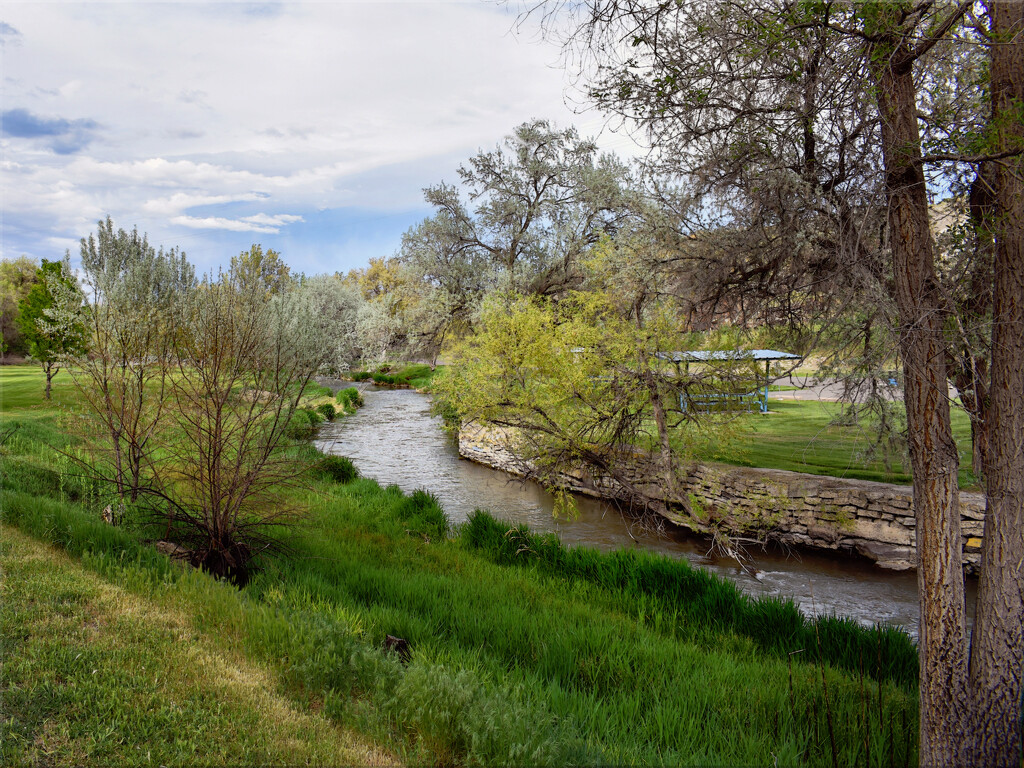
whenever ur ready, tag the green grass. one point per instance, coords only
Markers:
(572, 657)
(412, 375)
(799, 436)
(94, 674)
(698, 599)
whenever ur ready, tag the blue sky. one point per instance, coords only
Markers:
(310, 128)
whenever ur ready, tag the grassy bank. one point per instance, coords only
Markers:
(559, 658)
(96, 674)
(412, 375)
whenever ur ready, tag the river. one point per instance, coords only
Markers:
(394, 439)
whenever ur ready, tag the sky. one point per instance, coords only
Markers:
(310, 128)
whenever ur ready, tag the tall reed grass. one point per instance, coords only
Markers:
(697, 598)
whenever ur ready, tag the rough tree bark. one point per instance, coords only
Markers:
(933, 454)
(997, 647)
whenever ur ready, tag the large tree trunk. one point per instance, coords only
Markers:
(934, 460)
(997, 648)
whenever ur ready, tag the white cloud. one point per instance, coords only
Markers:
(297, 107)
(261, 223)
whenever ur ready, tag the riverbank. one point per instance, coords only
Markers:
(512, 660)
(856, 517)
(416, 376)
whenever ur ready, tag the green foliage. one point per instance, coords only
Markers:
(597, 659)
(51, 327)
(327, 411)
(577, 380)
(303, 423)
(463, 717)
(314, 390)
(415, 375)
(17, 276)
(262, 273)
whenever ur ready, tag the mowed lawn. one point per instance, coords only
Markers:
(802, 436)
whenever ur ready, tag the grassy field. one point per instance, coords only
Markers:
(522, 652)
(801, 436)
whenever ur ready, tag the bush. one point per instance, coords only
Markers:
(327, 411)
(360, 375)
(340, 469)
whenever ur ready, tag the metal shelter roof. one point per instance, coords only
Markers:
(711, 355)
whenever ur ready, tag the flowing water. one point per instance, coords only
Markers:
(395, 440)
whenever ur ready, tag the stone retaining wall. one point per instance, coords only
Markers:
(874, 520)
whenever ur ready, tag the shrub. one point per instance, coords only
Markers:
(360, 375)
(327, 410)
(340, 469)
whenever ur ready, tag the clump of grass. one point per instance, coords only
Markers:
(303, 424)
(414, 375)
(327, 410)
(315, 391)
(338, 469)
(350, 399)
(699, 598)
(423, 513)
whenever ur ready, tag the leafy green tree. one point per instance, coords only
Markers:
(577, 386)
(258, 270)
(52, 328)
(332, 316)
(520, 220)
(17, 276)
(135, 294)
